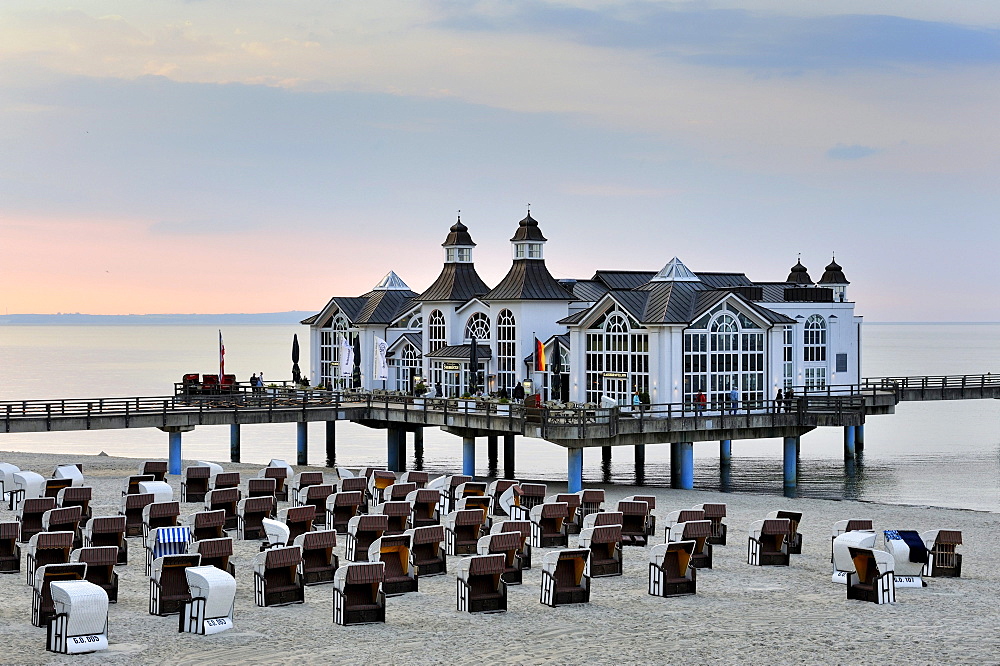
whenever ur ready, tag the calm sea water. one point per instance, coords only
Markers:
(934, 453)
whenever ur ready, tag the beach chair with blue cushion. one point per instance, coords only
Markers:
(480, 584)
(357, 594)
(79, 622)
(166, 541)
(843, 563)
(564, 577)
(213, 598)
(671, 573)
(768, 542)
(943, 560)
(910, 556)
(872, 579)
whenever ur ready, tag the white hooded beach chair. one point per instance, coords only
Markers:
(495, 491)
(357, 594)
(107, 531)
(166, 541)
(213, 598)
(168, 587)
(850, 525)
(10, 552)
(605, 545)
(26, 485)
(427, 551)
(42, 608)
(362, 531)
(47, 548)
(697, 531)
(250, 512)
(872, 578)
(276, 577)
(160, 490)
(943, 560)
(79, 621)
(7, 471)
(276, 534)
(319, 562)
(671, 572)
(910, 556)
(768, 542)
(507, 544)
(564, 577)
(522, 527)
(843, 563)
(72, 472)
(398, 577)
(480, 584)
(131, 484)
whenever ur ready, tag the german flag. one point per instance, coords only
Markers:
(540, 363)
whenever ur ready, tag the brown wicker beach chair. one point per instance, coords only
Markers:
(319, 562)
(361, 533)
(276, 577)
(47, 548)
(522, 527)
(224, 480)
(507, 544)
(77, 496)
(635, 522)
(168, 586)
(768, 542)
(872, 579)
(716, 512)
(42, 607)
(250, 511)
(160, 514)
(303, 480)
(564, 577)
(397, 492)
(64, 520)
(341, 507)
(697, 531)
(398, 513)
(298, 519)
(605, 544)
(132, 507)
(279, 474)
(480, 584)
(107, 531)
(394, 551)
(591, 501)
(547, 525)
(207, 524)
(526, 497)
(262, 487)
(30, 515)
(425, 509)
(225, 499)
(53, 486)
(670, 570)
(156, 468)
(943, 560)
(427, 551)
(10, 552)
(462, 529)
(315, 495)
(793, 517)
(357, 594)
(194, 484)
(215, 553)
(100, 561)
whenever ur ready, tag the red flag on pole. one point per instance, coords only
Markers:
(222, 357)
(539, 356)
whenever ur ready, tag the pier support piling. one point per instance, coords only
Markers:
(396, 449)
(418, 448)
(574, 465)
(640, 464)
(725, 452)
(469, 456)
(685, 464)
(859, 438)
(508, 456)
(234, 442)
(849, 442)
(491, 454)
(331, 443)
(791, 467)
(302, 443)
(175, 451)
(675, 469)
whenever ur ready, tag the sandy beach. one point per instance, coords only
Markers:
(741, 614)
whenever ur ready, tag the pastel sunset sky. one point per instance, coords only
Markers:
(260, 156)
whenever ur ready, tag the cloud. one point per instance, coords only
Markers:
(853, 152)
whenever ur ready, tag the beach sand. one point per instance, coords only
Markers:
(741, 614)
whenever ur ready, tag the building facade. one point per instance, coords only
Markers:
(663, 335)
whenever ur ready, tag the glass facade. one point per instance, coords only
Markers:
(506, 350)
(727, 353)
(617, 358)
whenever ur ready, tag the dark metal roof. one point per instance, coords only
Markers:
(834, 274)
(456, 282)
(310, 320)
(574, 318)
(527, 230)
(463, 352)
(623, 279)
(459, 235)
(799, 274)
(414, 338)
(589, 290)
(349, 305)
(384, 307)
(723, 280)
(528, 279)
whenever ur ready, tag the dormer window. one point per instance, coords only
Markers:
(527, 250)
(458, 254)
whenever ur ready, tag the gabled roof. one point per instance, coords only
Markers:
(528, 279)
(414, 338)
(463, 352)
(350, 306)
(456, 282)
(384, 307)
(589, 290)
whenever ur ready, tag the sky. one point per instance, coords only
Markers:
(209, 156)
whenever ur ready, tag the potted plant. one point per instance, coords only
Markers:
(419, 390)
(503, 406)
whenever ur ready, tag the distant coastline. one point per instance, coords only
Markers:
(77, 319)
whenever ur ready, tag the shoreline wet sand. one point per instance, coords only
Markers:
(741, 614)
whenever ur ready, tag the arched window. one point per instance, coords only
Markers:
(815, 339)
(436, 334)
(330, 370)
(407, 365)
(617, 357)
(506, 350)
(478, 327)
(724, 351)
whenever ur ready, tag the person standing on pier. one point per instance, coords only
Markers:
(518, 392)
(789, 398)
(777, 401)
(734, 400)
(700, 401)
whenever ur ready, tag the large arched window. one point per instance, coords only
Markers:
(814, 344)
(436, 333)
(617, 357)
(724, 350)
(506, 350)
(407, 365)
(330, 356)
(478, 327)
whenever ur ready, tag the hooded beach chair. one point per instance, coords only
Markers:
(682, 516)
(10, 552)
(793, 517)
(262, 487)
(872, 578)
(419, 478)
(26, 485)
(398, 513)
(564, 577)
(378, 482)
(80, 496)
(64, 520)
(100, 561)
(843, 563)
(53, 486)
(508, 545)
(72, 472)
(107, 531)
(427, 552)
(319, 562)
(224, 480)
(943, 560)
(225, 499)
(591, 501)
(160, 514)
(7, 471)
(650, 501)
(671, 572)
(768, 542)
(276, 534)
(716, 512)
(79, 621)
(479, 502)
(398, 577)
(603, 518)
(160, 490)
(356, 484)
(315, 495)
(398, 491)
(851, 525)
(155, 468)
(910, 555)
(213, 598)
(299, 519)
(341, 507)
(697, 531)
(276, 579)
(29, 514)
(462, 529)
(42, 607)
(361, 533)
(495, 491)
(131, 507)
(166, 541)
(301, 481)
(215, 553)
(250, 511)
(447, 484)
(635, 522)
(194, 483)
(605, 545)
(480, 584)
(207, 524)
(47, 548)
(281, 477)
(168, 586)
(522, 527)
(357, 594)
(573, 523)
(526, 496)
(547, 525)
(424, 507)
(131, 484)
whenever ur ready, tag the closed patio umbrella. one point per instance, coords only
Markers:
(555, 366)
(356, 375)
(296, 372)
(474, 368)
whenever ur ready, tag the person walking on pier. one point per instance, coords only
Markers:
(518, 393)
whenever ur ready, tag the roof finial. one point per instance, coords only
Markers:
(529, 209)
(459, 214)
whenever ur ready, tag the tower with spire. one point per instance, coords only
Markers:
(833, 277)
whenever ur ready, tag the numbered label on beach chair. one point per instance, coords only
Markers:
(217, 624)
(91, 643)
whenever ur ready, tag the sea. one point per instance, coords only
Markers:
(928, 453)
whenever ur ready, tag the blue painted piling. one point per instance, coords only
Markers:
(791, 461)
(175, 451)
(685, 466)
(469, 456)
(302, 443)
(849, 442)
(725, 452)
(574, 464)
